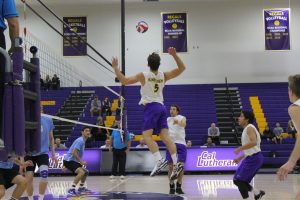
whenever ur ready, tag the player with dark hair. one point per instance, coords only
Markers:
(253, 158)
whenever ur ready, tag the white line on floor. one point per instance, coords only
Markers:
(121, 182)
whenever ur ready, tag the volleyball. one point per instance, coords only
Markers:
(142, 27)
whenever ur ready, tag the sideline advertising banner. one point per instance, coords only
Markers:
(91, 156)
(210, 159)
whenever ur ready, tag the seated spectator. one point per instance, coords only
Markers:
(107, 144)
(142, 144)
(58, 145)
(214, 133)
(209, 142)
(55, 82)
(268, 134)
(106, 107)
(95, 106)
(99, 134)
(189, 143)
(277, 131)
(47, 83)
(291, 129)
(118, 109)
(42, 83)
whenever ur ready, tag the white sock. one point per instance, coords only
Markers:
(41, 196)
(30, 197)
(157, 156)
(174, 158)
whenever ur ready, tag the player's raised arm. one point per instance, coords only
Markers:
(126, 80)
(180, 65)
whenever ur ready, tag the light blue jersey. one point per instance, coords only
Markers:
(6, 165)
(46, 128)
(78, 144)
(117, 141)
(8, 10)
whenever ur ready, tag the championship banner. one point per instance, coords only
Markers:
(174, 31)
(277, 29)
(75, 46)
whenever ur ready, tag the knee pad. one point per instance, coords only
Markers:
(86, 172)
(44, 173)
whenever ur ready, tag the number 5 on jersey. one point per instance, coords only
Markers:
(156, 87)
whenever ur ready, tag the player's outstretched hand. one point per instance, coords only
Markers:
(172, 51)
(237, 150)
(284, 170)
(114, 62)
(83, 163)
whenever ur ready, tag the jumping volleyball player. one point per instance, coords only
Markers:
(155, 113)
(252, 154)
(294, 112)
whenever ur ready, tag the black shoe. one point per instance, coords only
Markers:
(177, 168)
(179, 191)
(172, 191)
(260, 195)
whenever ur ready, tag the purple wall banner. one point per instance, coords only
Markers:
(75, 47)
(277, 29)
(174, 31)
(91, 156)
(210, 159)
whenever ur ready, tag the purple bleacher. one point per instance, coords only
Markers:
(59, 96)
(273, 98)
(197, 104)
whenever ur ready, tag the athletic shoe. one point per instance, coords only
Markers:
(112, 177)
(177, 168)
(83, 190)
(172, 189)
(122, 177)
(159, 166)
(260, 195)
(72, 192)
(179, 191)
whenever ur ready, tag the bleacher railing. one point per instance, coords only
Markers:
(231, 108)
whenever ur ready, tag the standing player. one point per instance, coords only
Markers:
(252, 154)
(73, 161)
(294, 112)
(177, 124)
(9, 176)
(155, 113)
(41, 159)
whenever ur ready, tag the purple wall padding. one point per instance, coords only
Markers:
(18, 104)
(8, 115)
(36, 114)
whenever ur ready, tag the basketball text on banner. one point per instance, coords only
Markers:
(277, 29)
(174, 31)
(72, 44)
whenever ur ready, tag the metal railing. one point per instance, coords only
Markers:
(231, 109)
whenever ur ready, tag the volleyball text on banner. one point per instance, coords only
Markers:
(174, 31)
(277, 29)
(79, 26)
